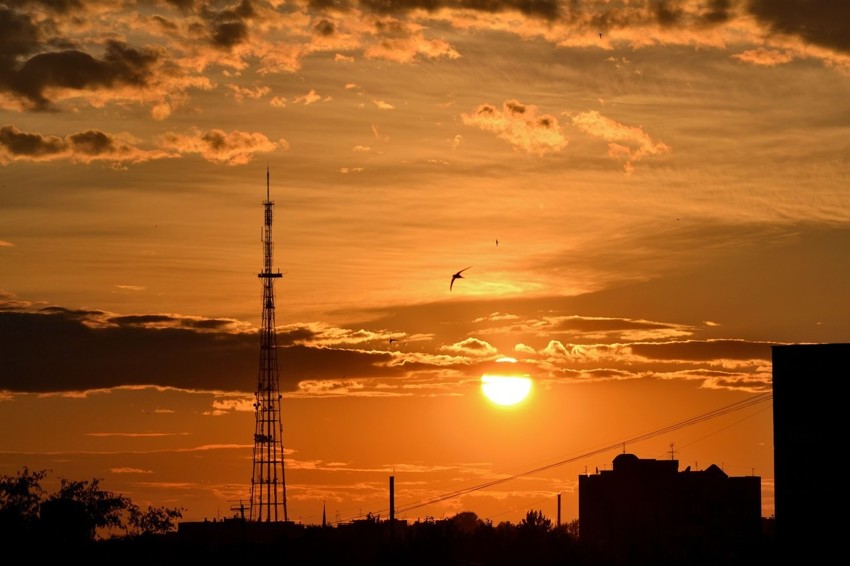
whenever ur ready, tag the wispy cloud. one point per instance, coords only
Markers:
(136, 434)
(626, 143)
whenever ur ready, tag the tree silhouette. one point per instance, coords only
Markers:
(80, 508)
(153, 521)
(20, 498)
(79, 512)
(536, 521)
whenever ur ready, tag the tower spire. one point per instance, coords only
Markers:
(268, 487)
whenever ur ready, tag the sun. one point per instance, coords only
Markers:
(503, 389)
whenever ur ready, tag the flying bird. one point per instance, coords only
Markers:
(457, 276)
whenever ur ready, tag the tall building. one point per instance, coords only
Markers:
(807, 421)
(646, 511)
(268, 485)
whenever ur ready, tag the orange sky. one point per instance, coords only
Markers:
(667, 182)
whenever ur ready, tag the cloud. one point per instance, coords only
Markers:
(520, 125)
(819, 22)
(626, 143)
(82, 147)
(556, 351)
(129, 471)
(622, 328)
(309, 98)
(741, 382)
(240, 93)
(764, 57)
(243, 404)
(160, 321)
(62, 350)
(53, 349)
(325, 335)
(229, 32)
(472, 347)
(545, 9)
(340, 388)
(52, 52)
(218, 146)
(136, 434)
(605, 324)
(497, 316)
(324, 27)
(377, 133)
(41, 346)
(588, 328)
(130, 287)
(692, 350)
(754, 382)
(75, 70)
(405, 42)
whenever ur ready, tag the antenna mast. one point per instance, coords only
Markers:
(268, 488)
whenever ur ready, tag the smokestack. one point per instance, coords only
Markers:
(559, 509)
(392, 500)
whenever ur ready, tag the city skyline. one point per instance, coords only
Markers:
(642, 199)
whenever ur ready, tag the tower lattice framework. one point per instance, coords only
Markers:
(268, 486)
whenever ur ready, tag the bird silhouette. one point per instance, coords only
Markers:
(457, 276)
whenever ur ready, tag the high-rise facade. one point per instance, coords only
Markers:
(808, 418)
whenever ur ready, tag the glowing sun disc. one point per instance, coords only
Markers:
(505, 390)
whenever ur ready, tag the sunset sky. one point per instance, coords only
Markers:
(648, 194)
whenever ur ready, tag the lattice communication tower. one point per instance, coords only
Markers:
(268, 487)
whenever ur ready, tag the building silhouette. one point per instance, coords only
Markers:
(807, 419)
(646, 511)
